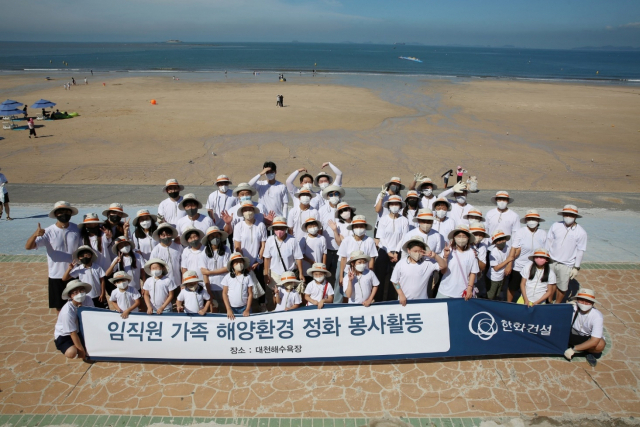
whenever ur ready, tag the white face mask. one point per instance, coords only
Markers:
(425, 227)
(312, 230)
(415, 256)
(305, 200)
(501, 204)
(584, 307)
(223, 188)
(334, 200)
(125, 249)
(249, 215)
(238, 266)
(568, 220)
(394, 209)
(306, 186)
(461, 199)
(323, 185)
(441, 214)
(192, 287)
(271, 176)
(461, 241)
(156, 273)
(361, 267)
(532, 223)
(122, 285)
(427, 192)
(345, 214)
(318, 279)
(359, 231)
(145, 224)
(79, 297)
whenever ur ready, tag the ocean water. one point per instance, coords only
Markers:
(613, 66)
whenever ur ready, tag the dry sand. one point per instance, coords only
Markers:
(554, 130)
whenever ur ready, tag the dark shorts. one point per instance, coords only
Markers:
(32, 131)
(63, 342)
(6, 199)
(514, 281)
(56, 286)
(575, 339)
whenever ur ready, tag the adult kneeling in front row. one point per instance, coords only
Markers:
(586, 328)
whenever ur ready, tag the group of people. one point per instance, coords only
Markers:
(279, 101)
(234, 254)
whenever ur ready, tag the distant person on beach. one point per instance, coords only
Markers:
(24, 111)
(459, 173)
(4, 197)
(92, 72)
(73, 81)
(32, 128)
(85, 81)
(446, 177)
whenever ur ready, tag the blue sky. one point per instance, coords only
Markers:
(539, 23)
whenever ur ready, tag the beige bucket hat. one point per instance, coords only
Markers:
(570, 209)
(342, 206)
(148, 264)
(502, 194)
(588, 294)
(540, 253)
(413, 240)
(356, 255)
(426, 181)
(75, 284)
(223, 178)
(62, 205)
(164, 226)
(212, 230)
(243, 186)
(140, 214)
(288, 277)
(499, 234)
(304, 192)
(84, 248)
(441, 200)
(189, 198)
(189, 230)
(311, 220)
(332, 189)
(474, 214)
(322, 175)
(246, 205)
(278, 222)
(531, 214)
(118, 242)
(462, 228)
(424, 214)
(171, 182)
(90, 219)
(478, 227)
(120, 275)
(115, 208)
(394, 199)
(318, 267)
(358, 220)
(190, 276)
(395, 180)
(234, 257)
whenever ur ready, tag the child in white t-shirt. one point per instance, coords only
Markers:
(125, 298)
(237, 286)
(538, 279)
(85, 268)
(499, 258)
(319, 291)
(286, 297)
(193, 297)
(158, 287)
(360, 283)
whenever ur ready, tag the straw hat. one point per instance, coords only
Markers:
(279, 222)
(464, 228)
(426, 181)
(332, 189)
(164, 226)
(358, 220)
(478, 227)
(120, 275)
(172, 182)
(532, 214)
(246, 205)
(303, 192)
(424, 214)
(243, 186)
(341, 206)
(223, 178)
(90, 219)
(148, 264)
(415, 239)
(540, 253)
(570, 209)
(499, 234)
(502, 194)
(189, 197)
(141, 213)
(322, 175)
(62, 205)
(75, 284)
(190, 276)
(188, 230)
(356, 255)
(236, 256)
(118, 241)
(116, 208)
(310, 220)
(84, 248)
(288, 277)
(411, 193)
(474, 213)
(394, 199)
(395, 180)
(211, 230)
(318, 267)
(588, 294)
(441, 200)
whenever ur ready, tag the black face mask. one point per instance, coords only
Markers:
(166, 240)
(63, 218)
(194, 244)
(114, 219)
(94, 231)
(191, 212)
(86, 260)
(412, 202)
(394, 188)
(173, 194)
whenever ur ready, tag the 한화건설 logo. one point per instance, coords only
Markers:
(483, 325)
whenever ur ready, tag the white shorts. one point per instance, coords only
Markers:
(562, 275)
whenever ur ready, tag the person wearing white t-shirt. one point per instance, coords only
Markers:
(459, 206)
(587, 328)
(443, 224)
(190, 205)
(538, 279)
(361, 282)
(313, 246)
(306, 183)
(391, 188)
(423, 227)
(158, 288)
(323, 179)
(249, 238)
(144, 224)
(214, 259)
(168, 251)
(566, 242)
(271, 193)
(168, 210)
(4, 197)
(391, 228)
(301, 213)
(319, 291)
(244, 192)
(65, 335)
(343, 216)
(501, 217)
(286, 297)
(85, 268)
(128, 261)
(412, 205)
(523, 243)
(359, 241)
(125, 298)
(193, 298)
(499, 259)
(480, 247)
(192, 251)
(462, 266)
(94, 233)
(238, 286)
(220, 200)
(411, 275)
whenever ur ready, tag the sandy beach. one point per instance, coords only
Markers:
(514, 135)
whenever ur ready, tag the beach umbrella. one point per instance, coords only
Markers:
(43, 103)
(10, 110)
(12, 103)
